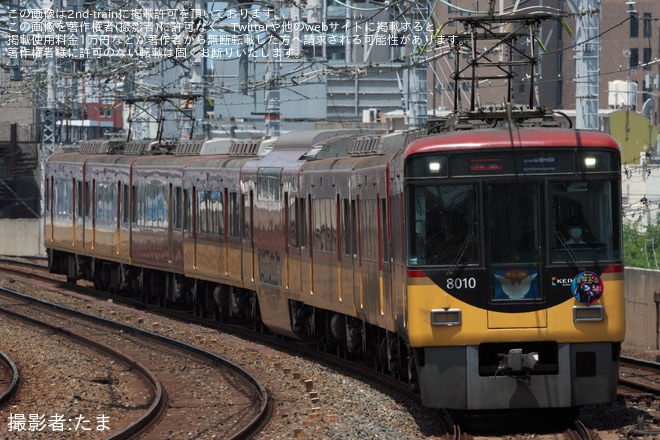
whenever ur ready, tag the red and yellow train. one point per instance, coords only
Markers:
(484, 267)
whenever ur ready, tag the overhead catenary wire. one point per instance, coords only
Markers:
(286, 80)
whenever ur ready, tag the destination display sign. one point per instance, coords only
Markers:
(511, 163)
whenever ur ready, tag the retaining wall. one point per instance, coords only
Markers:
(21, 237)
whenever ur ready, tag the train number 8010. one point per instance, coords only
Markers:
(461, 283)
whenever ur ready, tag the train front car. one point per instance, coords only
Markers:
(514, 268)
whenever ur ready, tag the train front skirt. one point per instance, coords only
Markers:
(586, 374)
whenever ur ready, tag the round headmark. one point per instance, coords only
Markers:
(587, 287)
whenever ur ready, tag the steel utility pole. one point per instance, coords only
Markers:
(272, 94)
(587, 60)
(48, 121)
(417, 76)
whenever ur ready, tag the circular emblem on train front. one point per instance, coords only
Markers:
(587, 287)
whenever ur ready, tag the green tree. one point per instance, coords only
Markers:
(641, 247)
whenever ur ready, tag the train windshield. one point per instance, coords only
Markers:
(513, 223)
(506, 222)
(584, 221)
(445, 222)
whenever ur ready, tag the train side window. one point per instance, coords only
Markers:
(245, 226)
(324, 215)
(384, 224)
(162, 205)
(187, 211)
(246, 214)
(346, 238)
(354, 228)
(125, 203)
(304, 237)
(177, 214)
(368, 229)
(88, 200)
(234, 215)
(210, 212)
(293, 222)
(62, 197)
(136, 206)
(269, 184)
(106, 201)
(79, 198)
(47, 198)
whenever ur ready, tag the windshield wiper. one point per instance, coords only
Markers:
(461, 252)
(571, 255)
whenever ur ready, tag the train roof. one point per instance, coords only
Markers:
(303, 140)
(512, 138)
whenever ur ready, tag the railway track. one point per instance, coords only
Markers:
(179, 382)
(640, 375)
(450, 429)
(9, 377)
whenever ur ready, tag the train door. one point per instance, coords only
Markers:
(78, 226)
(118, 220)
(513, 218)
(190, 220)
(87, 218)
(292, 280)
(387, 304)
(370, 297)
(123, 239)
(306, 269)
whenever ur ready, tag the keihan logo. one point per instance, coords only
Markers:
(560, 281)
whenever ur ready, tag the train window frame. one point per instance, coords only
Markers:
(384, 224)
(78, 185)
(125, 203)
(269, 184)
(89, 193)
(304, 222)
(187, 209)
(234, 215)
(105, 201)
(210, 221)
(368, 229)
(177, 208)
(294, 221)
(62, 198)
(324, 224)
(151, 206)
(47, 197)
(516, 273)
(416, 213)
(346, 233)
(247, 204)
(600, 240)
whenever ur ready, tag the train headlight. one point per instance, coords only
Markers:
(447, 317)
(588, 313)
(434, 167)
(590, 162)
